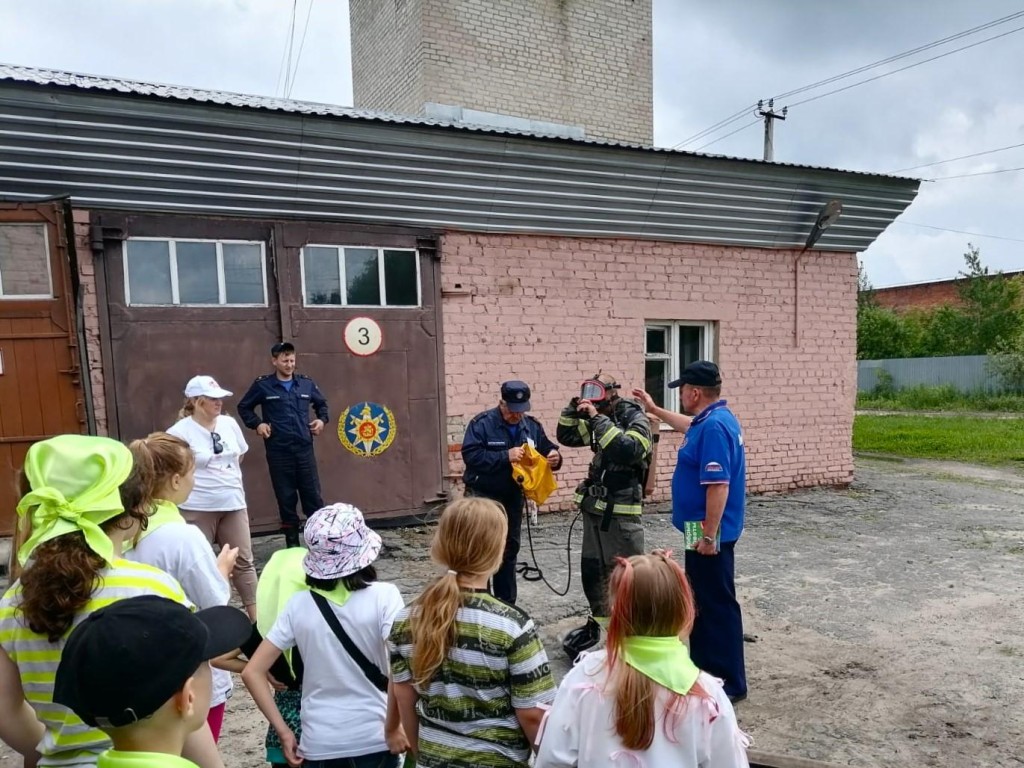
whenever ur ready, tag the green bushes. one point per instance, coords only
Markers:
(989, 320)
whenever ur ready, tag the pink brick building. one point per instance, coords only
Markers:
(222, 223)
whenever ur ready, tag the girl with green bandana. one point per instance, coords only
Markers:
(83, 499)
(642, 701)
(348, 719)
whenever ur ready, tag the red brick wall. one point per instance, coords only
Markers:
(552, 311)
(87, 276)
(923, 295)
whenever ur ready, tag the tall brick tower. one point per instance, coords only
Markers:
(584, 63)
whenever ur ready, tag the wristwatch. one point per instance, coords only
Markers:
(708, 540)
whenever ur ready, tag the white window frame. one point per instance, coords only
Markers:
(707, 352)
(222, 290)
(49, 267)
(340, 249)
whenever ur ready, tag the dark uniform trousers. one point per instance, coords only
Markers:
(716, 641)
(503, 584)
(294, 477)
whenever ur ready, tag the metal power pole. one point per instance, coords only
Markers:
(770, 116)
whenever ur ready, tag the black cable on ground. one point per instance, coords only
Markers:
(534, 572)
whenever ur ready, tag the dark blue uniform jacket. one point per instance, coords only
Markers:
(287, 412)
(485, 451)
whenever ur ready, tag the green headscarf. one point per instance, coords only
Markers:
(663, 659)
(282, 577)
(76, 482)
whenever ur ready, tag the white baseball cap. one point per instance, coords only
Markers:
(205, 386)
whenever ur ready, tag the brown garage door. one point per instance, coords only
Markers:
(188, 296)
(39, 371)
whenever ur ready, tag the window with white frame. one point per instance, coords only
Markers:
(668, 348)
(24, 262)
(162, 272)
(341, 276)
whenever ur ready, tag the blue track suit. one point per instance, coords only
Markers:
(489, 474)
(290, 455)
(712, 453)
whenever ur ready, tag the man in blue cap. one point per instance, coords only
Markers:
(708, 500)
(494, 441)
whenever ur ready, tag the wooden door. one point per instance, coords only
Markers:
(40, 387)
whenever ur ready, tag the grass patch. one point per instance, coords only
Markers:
(940, 398)
(980, 441)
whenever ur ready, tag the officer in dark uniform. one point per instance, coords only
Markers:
(494, 439)
(284, 398)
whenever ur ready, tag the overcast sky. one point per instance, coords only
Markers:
(712, 57)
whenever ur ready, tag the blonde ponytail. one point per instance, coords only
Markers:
(470, 540)
(188, 407)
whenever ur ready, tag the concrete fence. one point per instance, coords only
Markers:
(967, 374)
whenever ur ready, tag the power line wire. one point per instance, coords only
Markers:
(720, 124)
(908, 66)
(954, 159)
(961, 231)
(722, 138)
(979, 173)
(284, 53)
(288, 48)
(850, 73)
(902, 55)
(302, 44)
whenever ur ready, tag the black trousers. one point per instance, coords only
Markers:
(503, 583)
(293, 475)
(716, 642)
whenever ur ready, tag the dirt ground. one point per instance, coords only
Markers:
(887, 617)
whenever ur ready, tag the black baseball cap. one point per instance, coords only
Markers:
(702, 373)
(123, 662)
(516, 395)
(281, 348)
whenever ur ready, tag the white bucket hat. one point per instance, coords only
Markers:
(340, 542)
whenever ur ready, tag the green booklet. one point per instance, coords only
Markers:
(693, 533)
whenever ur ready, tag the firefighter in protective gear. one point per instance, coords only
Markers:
(611, 497)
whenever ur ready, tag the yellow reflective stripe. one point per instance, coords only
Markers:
(30, 657)
(641, 438)
(610, 435)
(628, 509)
(620, 509)
(584, 430)
(577, 498)
(567, 421)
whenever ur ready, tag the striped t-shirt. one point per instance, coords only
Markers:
(496, 666)
(68, 741)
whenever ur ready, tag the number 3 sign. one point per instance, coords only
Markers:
(363, 336)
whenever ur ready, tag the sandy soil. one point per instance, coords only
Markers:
(887, 617)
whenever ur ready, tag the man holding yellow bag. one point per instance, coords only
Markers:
(496, 441)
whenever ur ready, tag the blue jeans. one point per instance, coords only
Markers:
(375, 760)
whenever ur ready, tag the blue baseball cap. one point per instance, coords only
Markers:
(516, 395)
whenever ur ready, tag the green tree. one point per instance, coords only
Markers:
(991, 306)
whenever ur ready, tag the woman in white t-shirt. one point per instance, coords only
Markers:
(347, 718)
(216, 505)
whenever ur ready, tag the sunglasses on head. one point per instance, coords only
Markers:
(218, 444)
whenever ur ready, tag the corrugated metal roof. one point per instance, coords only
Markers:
(40, 76)
(135, 146)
